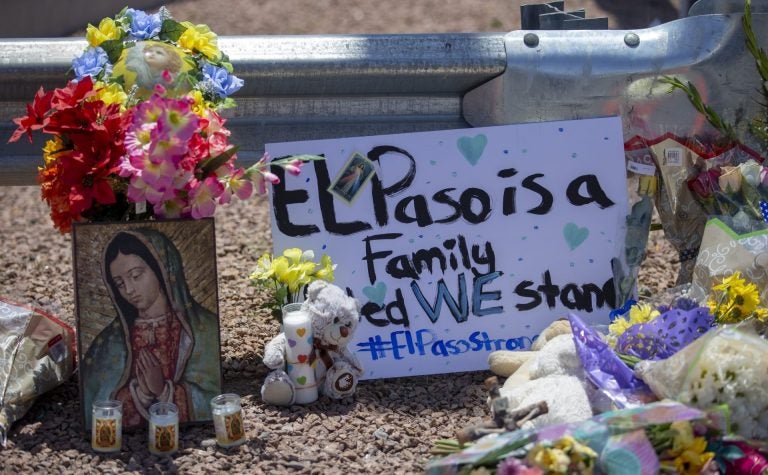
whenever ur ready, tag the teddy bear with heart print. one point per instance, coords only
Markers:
(333, 317)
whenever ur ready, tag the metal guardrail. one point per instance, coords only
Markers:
(296, 87)
(310, 87)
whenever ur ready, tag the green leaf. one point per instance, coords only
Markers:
(113, 48)
(210, 164)
(698, 103)
(172, 30)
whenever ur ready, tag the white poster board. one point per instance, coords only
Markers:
(461, 242)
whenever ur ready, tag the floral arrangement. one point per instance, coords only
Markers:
(736, 191)
(735, 299)
(137, 133)
(662, 437)
(732, 187)
(288, 274)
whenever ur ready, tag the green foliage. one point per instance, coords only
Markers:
(113, 48)
(211, 164)
(171, 30)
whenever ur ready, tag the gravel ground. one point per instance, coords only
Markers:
(390, 425)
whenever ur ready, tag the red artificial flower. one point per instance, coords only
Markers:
(73, 93)
(705, 184)
(36, 117)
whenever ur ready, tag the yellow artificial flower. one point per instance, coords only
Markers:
(199, 105)
(638, 313)
(550, 459)
(293, 254)
(642, 313)
(199, 39)
(264, 268)
(326, 269)
(107, 30)
(688, 452)
(52, 149)
(693, 458)
(110, 94)
(737, 299)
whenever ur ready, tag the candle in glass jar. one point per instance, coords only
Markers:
(297, 329)
(163, 428)
(228, 420)
(107, 426)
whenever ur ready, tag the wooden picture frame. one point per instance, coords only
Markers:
(146, 302)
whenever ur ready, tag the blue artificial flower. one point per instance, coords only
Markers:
(143, 26)
(220, 81)
(91, 63)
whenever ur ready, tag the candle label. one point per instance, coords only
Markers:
(165, 438)
(105, 433)
(233, 427)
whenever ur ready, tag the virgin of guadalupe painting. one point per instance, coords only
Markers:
(147, 317)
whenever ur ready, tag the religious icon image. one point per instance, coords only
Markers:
(147, 317)
(151, 63)
(353, 176)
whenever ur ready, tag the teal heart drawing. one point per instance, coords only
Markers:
(472, 147)
(574, 235)
(376, 293)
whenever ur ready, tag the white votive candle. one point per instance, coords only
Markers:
(297, 329)
(163, 428)
(107, 426)
(228, 420)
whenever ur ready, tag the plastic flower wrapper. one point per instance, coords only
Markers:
(644, 182)
(288, 275)
(605, 369)
(725, 366)
(665, 334)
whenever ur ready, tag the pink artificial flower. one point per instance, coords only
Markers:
(218, 142)
(139, 191)
(173, 208)
(294, 167)
(264, 176)
(260, 174)
(236, 184)
(202, 197)
(764, 176)
(215, 123)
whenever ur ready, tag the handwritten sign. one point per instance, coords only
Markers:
(461, 242)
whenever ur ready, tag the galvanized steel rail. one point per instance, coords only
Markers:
(310, 87)
(296, 87)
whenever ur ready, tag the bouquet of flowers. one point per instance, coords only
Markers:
(287, 276)
(731, 186)
(737, 191)
(138, 133)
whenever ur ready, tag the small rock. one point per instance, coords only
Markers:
(208, 443)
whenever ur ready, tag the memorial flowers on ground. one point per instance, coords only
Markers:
(139, 132)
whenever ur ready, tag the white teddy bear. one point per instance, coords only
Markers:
(334, 316)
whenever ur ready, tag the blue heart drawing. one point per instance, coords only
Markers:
(574, 235)
(472, 147)
(376, 293)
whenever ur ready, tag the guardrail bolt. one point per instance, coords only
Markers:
(631, 40)
(531, 40)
